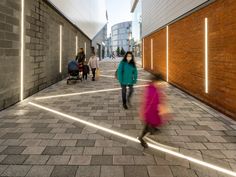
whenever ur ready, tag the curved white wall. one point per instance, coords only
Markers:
(157, 13)
(88, 15)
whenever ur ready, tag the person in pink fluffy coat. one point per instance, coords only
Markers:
(153, 109)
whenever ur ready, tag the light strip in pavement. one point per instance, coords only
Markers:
(82, 93)
(154, 146)
(114, 77)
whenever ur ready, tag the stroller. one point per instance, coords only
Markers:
(74, 71)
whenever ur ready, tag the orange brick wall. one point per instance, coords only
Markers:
(186, 54)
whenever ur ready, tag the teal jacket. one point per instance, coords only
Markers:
(127, 74)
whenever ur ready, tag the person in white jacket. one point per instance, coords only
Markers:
(94, 64)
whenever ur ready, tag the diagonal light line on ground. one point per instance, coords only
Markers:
(154, 146)
(113, 70)
(83, 93)
(102, 75)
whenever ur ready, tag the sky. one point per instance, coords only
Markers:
(118, 11)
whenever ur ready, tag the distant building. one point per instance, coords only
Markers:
(99, 42)
(121, 36)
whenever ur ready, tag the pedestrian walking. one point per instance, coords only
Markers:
(127, 75)
(94, 64)
(154, 110)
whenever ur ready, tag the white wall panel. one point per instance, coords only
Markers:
(157, 13)
(88, 15)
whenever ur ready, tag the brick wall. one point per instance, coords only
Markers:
(9, 52)
(186, 54)
(41, 61)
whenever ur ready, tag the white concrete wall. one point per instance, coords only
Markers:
(157, 13)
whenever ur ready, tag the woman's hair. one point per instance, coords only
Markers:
(132, 60)
(156, 77)
(82, 50)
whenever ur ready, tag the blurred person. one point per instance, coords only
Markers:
(153, 110)
(127, 75)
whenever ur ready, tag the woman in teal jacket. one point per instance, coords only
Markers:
(127, 75)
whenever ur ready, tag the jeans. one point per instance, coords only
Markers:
(124, 93)
(93, 72)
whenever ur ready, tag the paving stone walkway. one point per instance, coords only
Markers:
(39, 143)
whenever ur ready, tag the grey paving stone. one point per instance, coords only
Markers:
(37, 159)
(11, 135)
(114, 171)
(42, 130)
(74, 130)
(159, 171)
(49, 142)
(88, 171)
(131, 151)
(33, 150)
(112, 151)
(63, 136)
(40, 171)
(85, 143)
(12, 142)
(58, 160)
(80, 160)
(30, 142)
(73, 151)
(93, 151)
(101, 160)
(16, 170)
(136, 171)
(13, 150)
(123, 160)
(2, 148)
(39, 125)
(64, 171)
(67, 143)
(3, 168)
(14, 159)
(144, 160)
(53, 150)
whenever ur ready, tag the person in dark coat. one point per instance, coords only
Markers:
(80, 58)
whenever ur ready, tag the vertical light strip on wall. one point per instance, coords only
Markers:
(85, 48)
(60, 62)
(167, 53)
(76, 45)
(206, 55)
(143, 55)
(22, 51)
(151, 54)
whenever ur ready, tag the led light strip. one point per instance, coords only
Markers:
(76, 45)
(206, 55)
(60, 62)
(83, 93)
(22, 50)
(85, 48)
(151, 54)
(143, 54)
(137, 79)
(167, 53)
(154, 146)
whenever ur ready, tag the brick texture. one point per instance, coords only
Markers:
(186, 54)
(41, 61)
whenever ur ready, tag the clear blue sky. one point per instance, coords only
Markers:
(118, 11)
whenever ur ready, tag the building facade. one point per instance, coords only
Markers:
(121, 36)
(193, 48)
(136, 9)
(99, 42)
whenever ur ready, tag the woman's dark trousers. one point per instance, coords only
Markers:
(126, 98)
